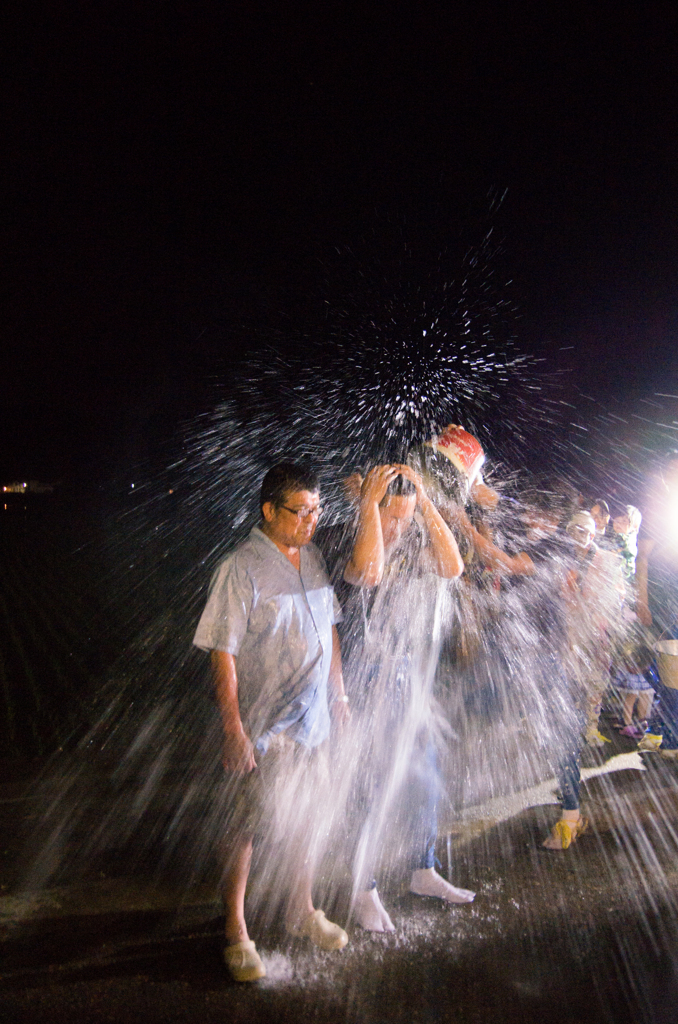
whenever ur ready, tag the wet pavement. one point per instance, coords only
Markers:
(588, 934)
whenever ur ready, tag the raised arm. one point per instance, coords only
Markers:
(443, 547)
(238, 753)
(489, 554)
(642, 603)
(365, 567)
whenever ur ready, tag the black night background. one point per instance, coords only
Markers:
(179, 178)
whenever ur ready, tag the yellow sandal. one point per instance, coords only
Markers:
(564, 833)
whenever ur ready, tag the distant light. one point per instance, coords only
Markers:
(171, 490)
(132, 486)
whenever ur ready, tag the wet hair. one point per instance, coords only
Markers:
(602, 505)
(634, 516)
(400, 487)
(440, 472)
(284, 478)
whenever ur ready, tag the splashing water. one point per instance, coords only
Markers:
(464, 687)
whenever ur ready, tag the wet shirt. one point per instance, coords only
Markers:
(277, 622)
(626, 548)
(389, 632)
(375, 619)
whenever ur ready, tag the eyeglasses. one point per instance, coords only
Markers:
(303, 512)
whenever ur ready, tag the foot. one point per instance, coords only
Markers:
(369, 913)
(594, 738)
(564, 833)
(427, 882)
(244, 962)
(650, 741)
(633, 732)
(322, 933)
(669, 754)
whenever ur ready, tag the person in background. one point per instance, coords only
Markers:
(451, 466)
(600, 510)
(657, 597)
(636, 693)
(624, 535)
(588, 593)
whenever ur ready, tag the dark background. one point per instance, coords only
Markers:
(179, 177)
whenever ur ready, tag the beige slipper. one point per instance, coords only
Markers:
(320, 931)
(244, 962)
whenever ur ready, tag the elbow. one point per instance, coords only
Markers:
(370, 576)
(452, 571)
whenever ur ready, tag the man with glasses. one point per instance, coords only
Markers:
(269, 625)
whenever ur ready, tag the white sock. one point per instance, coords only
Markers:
(369, 913)
(427, 882)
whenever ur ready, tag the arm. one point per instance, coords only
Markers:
(340, 708)
(642, 603)
(489, 554)
(365, 567)
(238, 751)
(448, 562)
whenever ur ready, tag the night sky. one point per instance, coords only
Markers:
(180, 174)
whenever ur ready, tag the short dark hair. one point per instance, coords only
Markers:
(284, 478)
(399, 487)
(602, 505)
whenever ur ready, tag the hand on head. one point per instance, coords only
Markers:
(409, 474)
(377, 482)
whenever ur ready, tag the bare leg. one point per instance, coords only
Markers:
(303, 921)
(300, 902)
(629, 701)
(233, 886)
(645, 704)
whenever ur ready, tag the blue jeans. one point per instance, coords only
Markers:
(423, 786)
(569, 774)
(568, 770)
(416, 803)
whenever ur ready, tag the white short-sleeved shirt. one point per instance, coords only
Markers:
(277, 622)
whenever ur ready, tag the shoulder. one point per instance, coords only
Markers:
(244, 560)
